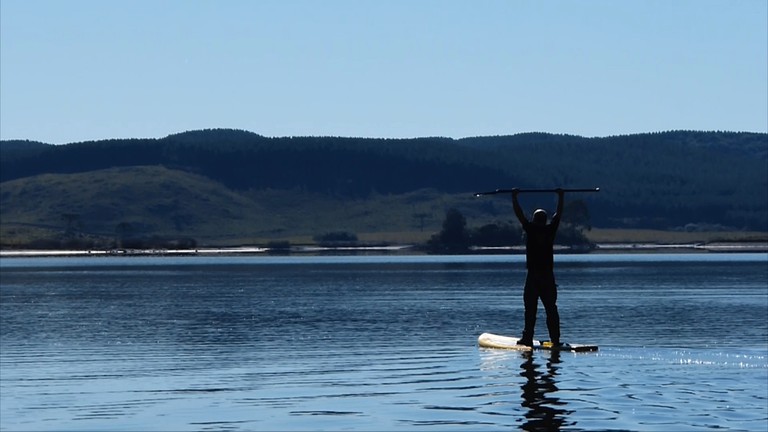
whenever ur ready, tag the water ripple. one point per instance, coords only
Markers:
(331, 347)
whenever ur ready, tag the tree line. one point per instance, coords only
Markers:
(455, 237)
(655, 180)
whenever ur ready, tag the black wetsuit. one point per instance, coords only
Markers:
(540, 281)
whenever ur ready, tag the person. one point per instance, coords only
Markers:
(539, 260)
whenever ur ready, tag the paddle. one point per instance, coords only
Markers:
(502, 191)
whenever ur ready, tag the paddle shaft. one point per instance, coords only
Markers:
(503, 191)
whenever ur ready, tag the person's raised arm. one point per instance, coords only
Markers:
(518, 210)
(559, 211)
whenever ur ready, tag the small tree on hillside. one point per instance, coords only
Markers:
(453, 238)
(576, 214)
(573, 224)
(73, 223)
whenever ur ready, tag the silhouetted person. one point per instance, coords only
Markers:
(539, 259)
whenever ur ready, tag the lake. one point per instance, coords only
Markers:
(380, 343)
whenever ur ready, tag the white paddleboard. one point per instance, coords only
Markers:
(490, 340)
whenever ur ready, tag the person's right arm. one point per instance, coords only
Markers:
(558, 213)
(518, 210)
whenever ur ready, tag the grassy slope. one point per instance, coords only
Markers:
(154, 200)
(160, 201)
(603, 235)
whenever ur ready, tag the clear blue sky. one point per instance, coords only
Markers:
(75, 70)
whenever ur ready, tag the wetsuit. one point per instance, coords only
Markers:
(540, 281)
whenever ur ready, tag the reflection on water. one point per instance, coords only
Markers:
(545, 411)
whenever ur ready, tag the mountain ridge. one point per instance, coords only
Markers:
(664, 180)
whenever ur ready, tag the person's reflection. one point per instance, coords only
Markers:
(538, 398)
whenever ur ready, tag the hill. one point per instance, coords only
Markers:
(229, 186)
(146, 201)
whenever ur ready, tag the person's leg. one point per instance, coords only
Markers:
(531, 302)
(549, 299)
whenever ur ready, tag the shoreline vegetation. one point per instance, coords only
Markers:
(596, 241)
(381, 250)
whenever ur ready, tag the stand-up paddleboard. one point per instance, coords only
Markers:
(490, 340)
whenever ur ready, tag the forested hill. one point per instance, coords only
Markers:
(659, 180)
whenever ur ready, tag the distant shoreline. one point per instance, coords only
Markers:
(605, 248)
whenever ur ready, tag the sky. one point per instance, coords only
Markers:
(79, 70)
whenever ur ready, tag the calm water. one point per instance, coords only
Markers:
(379, 343)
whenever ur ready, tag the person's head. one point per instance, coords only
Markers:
(540, 217)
